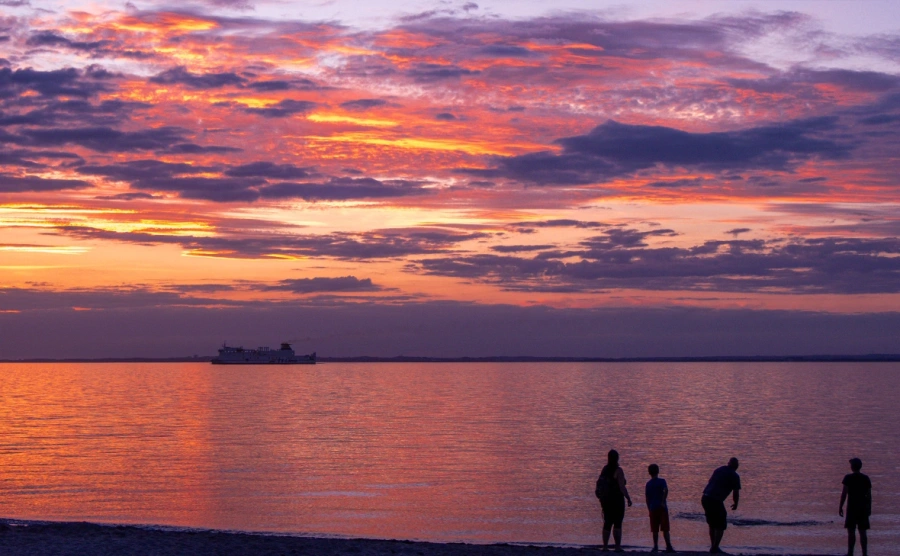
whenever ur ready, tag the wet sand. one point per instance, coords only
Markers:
(86, 539)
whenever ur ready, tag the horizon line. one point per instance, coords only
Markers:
(822, 358)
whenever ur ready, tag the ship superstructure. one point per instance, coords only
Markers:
(230, 355)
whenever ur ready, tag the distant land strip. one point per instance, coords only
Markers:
(868, 358)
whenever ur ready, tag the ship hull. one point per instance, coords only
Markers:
(219, 362)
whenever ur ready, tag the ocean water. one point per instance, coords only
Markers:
(450, 452)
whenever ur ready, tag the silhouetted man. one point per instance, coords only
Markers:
(858, 494)
(724, 481)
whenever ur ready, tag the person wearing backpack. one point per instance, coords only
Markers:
(611, 492)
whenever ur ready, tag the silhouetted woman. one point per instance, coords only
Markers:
(612, 494)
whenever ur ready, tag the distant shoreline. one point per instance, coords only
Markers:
(869, 358)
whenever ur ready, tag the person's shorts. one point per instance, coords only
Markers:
(659, 520)
(856, 520)
(716, 516)
(613, 513)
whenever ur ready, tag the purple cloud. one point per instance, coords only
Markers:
(613, 149)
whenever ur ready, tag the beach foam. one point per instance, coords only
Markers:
(750, 522)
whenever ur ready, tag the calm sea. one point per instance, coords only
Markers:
(449, 452)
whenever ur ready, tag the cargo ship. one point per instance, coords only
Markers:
(285, 355)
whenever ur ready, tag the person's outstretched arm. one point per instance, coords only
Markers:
(736, 496)
(843, 499)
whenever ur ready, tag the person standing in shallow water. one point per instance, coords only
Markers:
(858, 495)
(612, 494)
(724, 481)
(655, 493)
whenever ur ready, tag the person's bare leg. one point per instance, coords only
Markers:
(655, 541)
(712, 539)
(668, 541)
(863, 542)
(617, 535)
(717, 538)
(605, 538)
(851, 540)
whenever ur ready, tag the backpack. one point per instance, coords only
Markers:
(603, 488)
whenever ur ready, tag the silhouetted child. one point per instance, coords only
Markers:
(656, 493)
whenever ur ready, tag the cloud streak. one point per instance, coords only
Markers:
(622, 259)
(612, 150)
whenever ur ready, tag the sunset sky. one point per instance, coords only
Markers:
(449, 178)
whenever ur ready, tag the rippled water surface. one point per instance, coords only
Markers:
(449, 452)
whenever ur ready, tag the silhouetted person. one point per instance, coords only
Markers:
(655, 493)
(724, 481)
(612, 494)
(858, 494)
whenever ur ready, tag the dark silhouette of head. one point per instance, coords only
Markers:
(855, 464)
(733, 463)
(653, 469)
(613, 458)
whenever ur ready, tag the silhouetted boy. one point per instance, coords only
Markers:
(858, 494)
(724, 481)
(656, 493)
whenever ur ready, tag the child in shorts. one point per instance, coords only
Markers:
(656, 493)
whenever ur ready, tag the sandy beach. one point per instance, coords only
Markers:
(87, 539)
